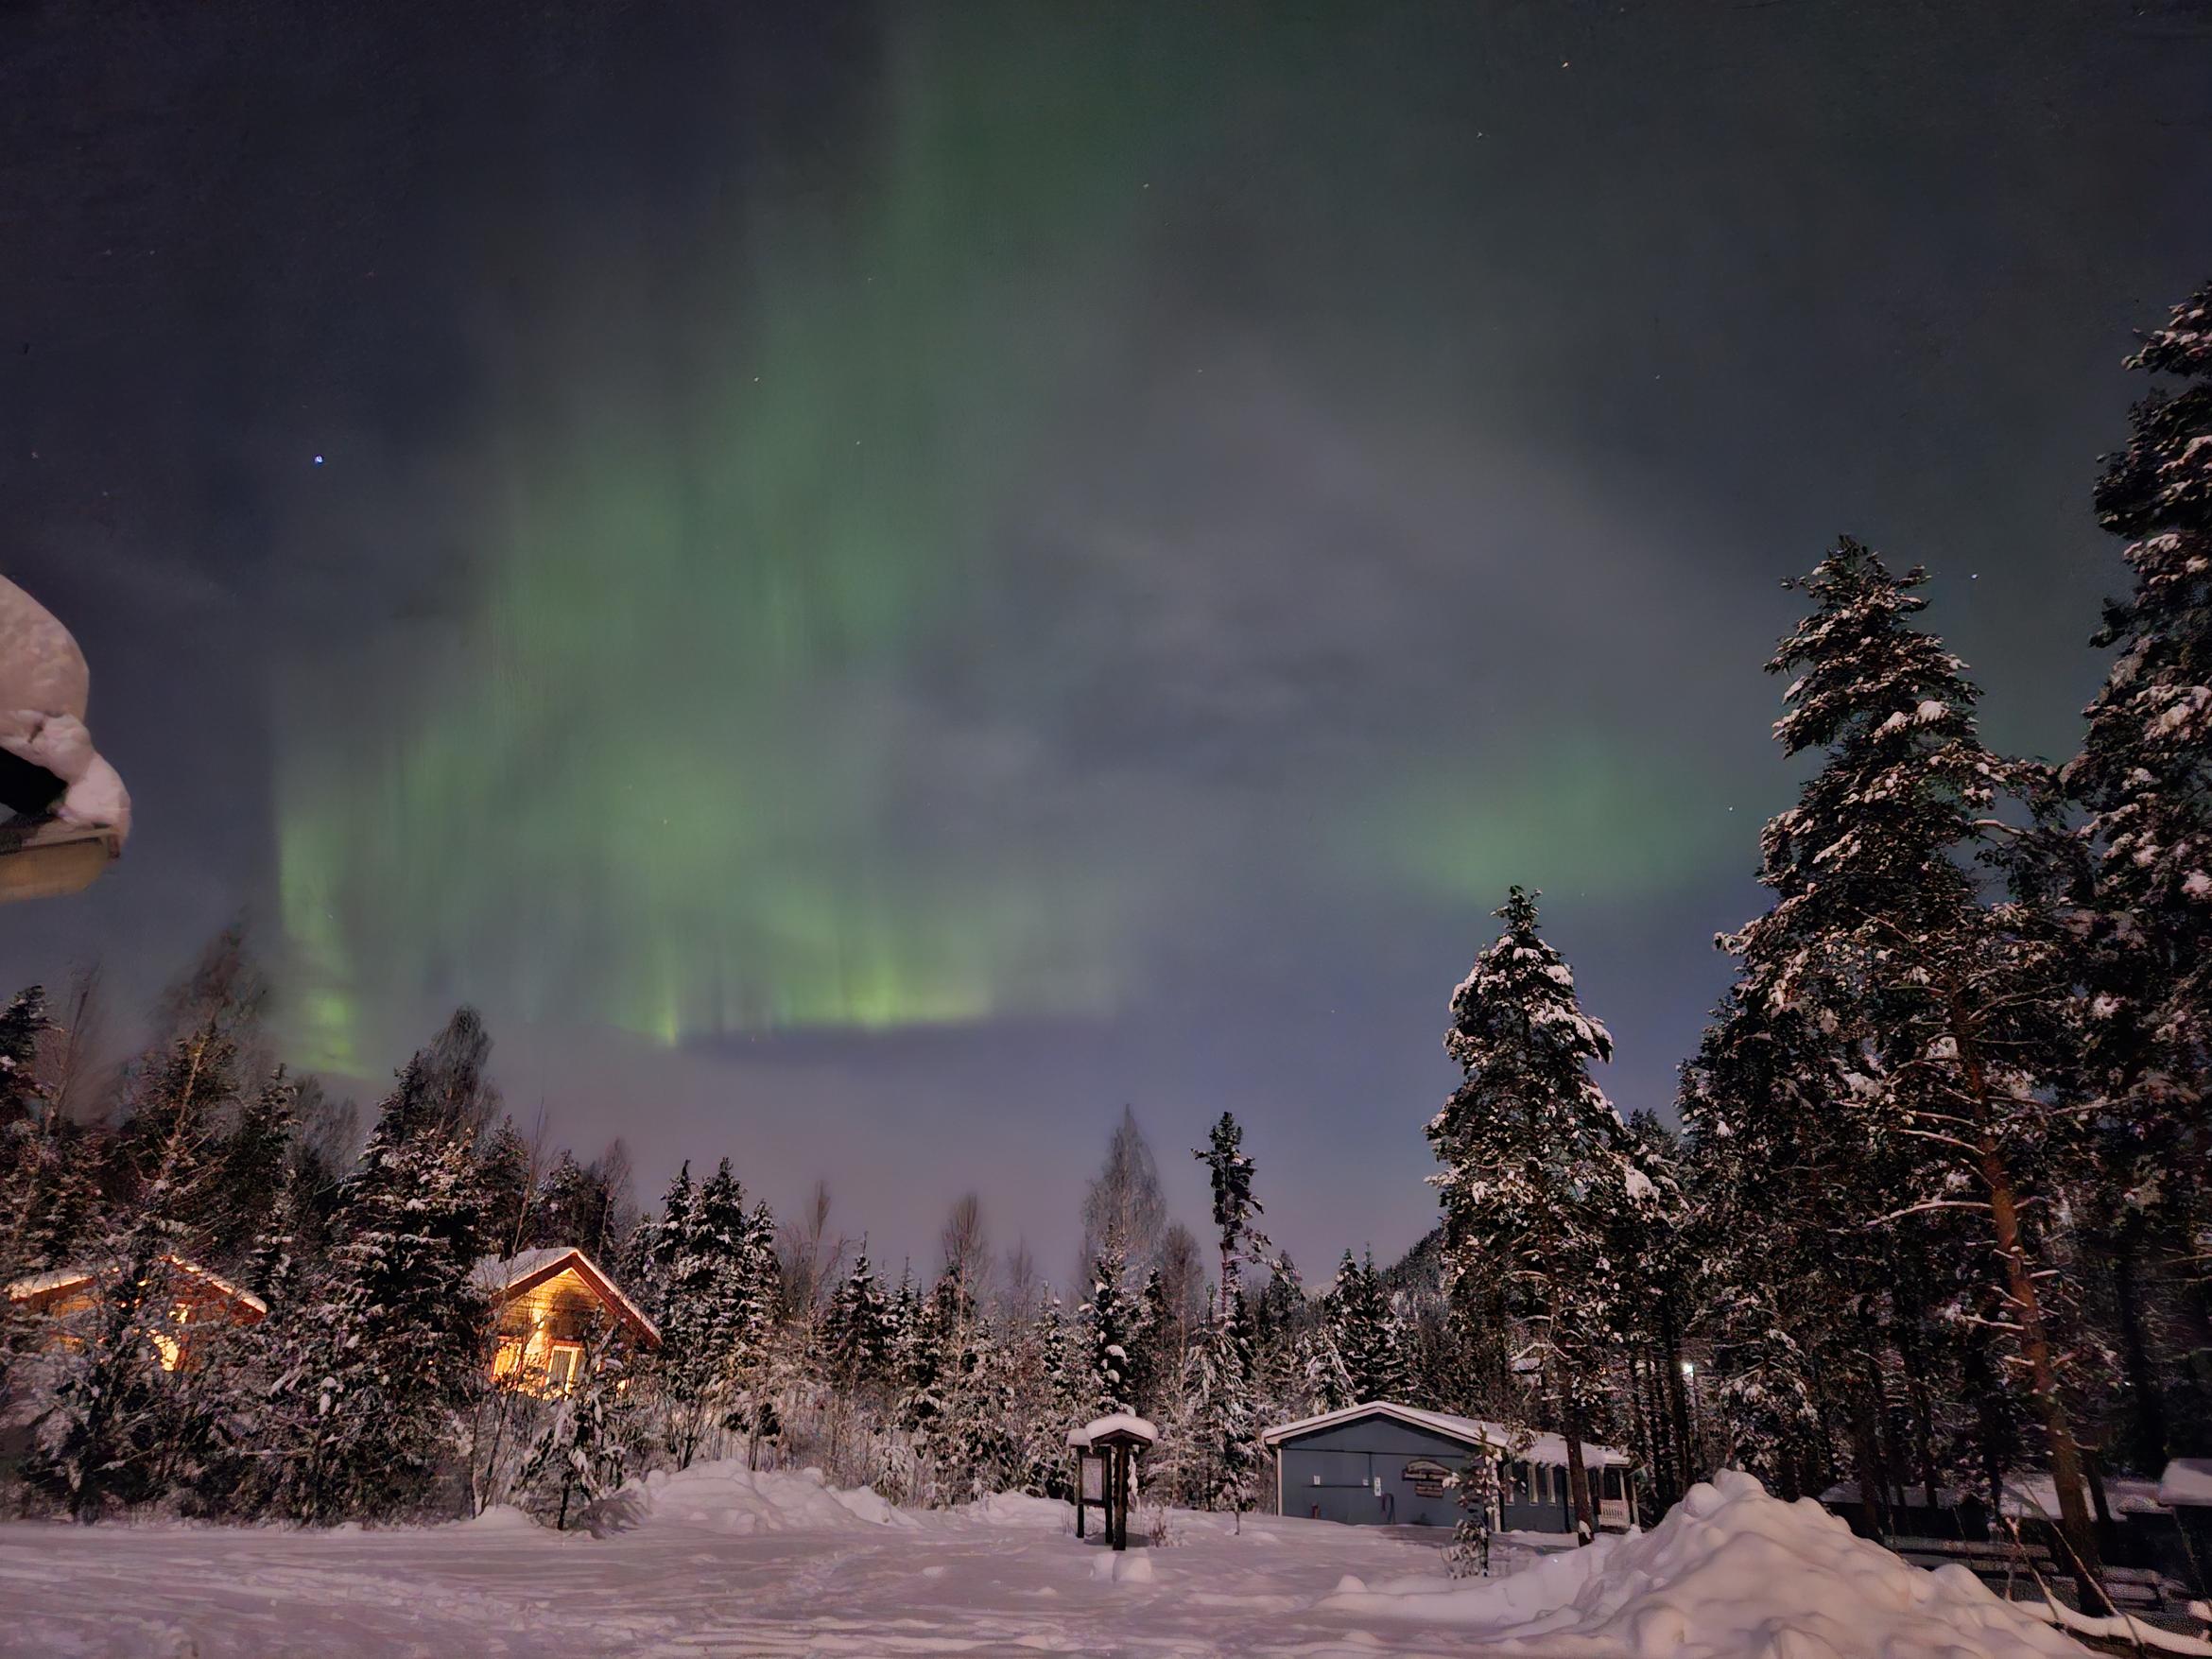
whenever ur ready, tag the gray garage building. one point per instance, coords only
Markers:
(1381, 1463)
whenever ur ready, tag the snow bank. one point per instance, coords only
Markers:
(1730, 1573)
(1019, 1509)
(728, 1497)
(501, 1517)
(2186, 1480)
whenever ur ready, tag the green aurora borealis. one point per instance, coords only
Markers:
(756, 697)
(725, 497)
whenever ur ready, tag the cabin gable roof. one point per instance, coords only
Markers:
(503, 1279)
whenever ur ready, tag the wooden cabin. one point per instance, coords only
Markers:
(198, 1299)
(549, 1306)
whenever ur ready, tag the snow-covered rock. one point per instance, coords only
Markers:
(1730, 1573)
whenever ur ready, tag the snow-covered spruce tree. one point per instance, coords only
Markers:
(1213, 1446)
(1365, 1331)
(1154, 1357)
(753, 1296)
(505, 1169)
(858, 1331)
(253, 1166)
(977, 1447)
(1327, 1383)
(1948, 1014)
(1109, 1322)
(384, 1349)
(700, 1240)
(1535, 1160)
(1046, 1404)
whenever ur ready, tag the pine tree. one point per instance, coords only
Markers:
(1534, 1158)
(1942, 1018)
(1229, 1172)
(2144, 774)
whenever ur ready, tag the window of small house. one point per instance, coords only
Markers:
(561, 1367)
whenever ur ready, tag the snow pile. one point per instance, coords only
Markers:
(501, 1517)
(1730, 1573)
(2186, 1480)
(1116, 1567)
(1019, 1509)
(728, 1497)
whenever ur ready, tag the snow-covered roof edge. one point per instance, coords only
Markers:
(504, 1276)
(1543, 1449)
(1113, 1422)
(59, 1278)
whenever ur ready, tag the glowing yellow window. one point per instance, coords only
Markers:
(561, 1366)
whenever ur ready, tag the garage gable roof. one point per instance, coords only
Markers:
(1468, 1432)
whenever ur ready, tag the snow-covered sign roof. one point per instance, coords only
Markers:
(1550, 1449)
(1126, 1424)
(502, 1277)
(2187, 1483)
(63, 1278)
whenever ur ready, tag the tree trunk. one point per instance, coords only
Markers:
(1867, 1461)
(2065, 1464)
(1579, 1481)
(2004, 1214)
(1687, 1456)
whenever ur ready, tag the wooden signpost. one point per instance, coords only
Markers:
(1105, 1457)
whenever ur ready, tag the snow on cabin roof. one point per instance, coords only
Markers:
(1550, 1449)
(495, 1275)
(1111, 1424)
(2188, 1481)
(60, 1278)
(53, 1279)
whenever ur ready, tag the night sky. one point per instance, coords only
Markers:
(876, 582)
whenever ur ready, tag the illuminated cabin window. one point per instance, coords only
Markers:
(561, 1366)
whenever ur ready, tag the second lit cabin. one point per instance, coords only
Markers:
(549, 1306)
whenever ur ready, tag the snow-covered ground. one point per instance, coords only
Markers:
(717, 1561)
